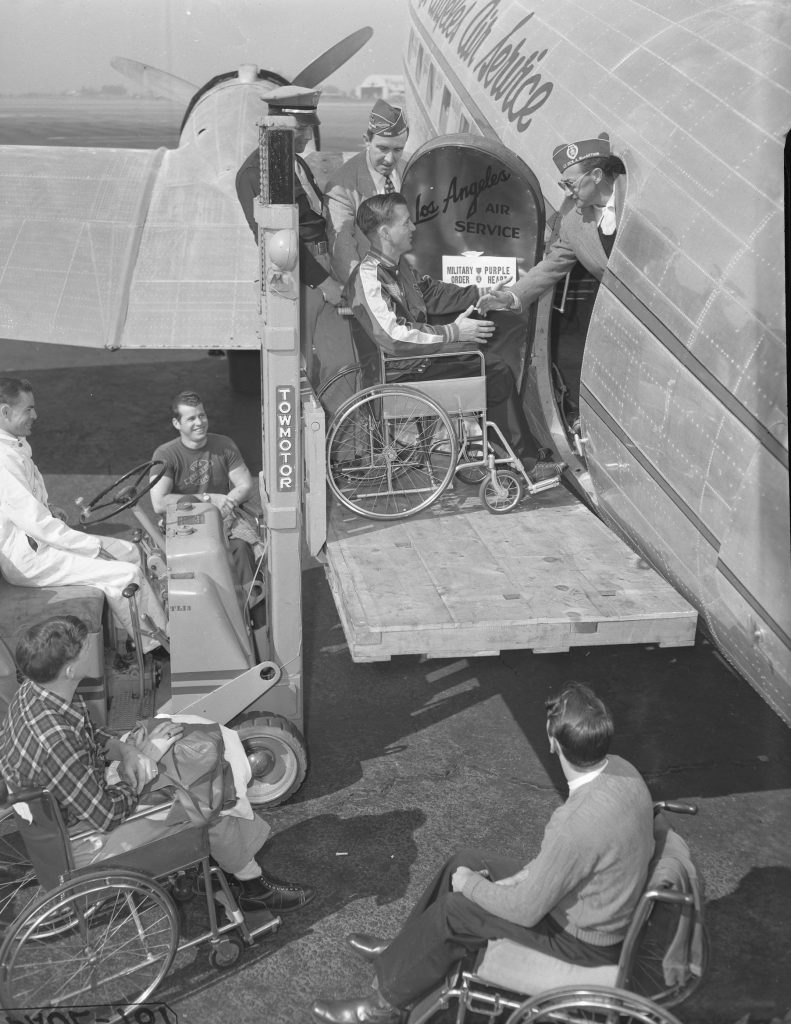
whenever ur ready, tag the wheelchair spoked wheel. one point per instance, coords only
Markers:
(340, 387)
(18, 883)
(391, 452)
(472, 452)
(106, 938)
(502, 494)
(592, 1005)
(647, 976)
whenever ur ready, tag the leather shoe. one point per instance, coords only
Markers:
(546, 470)
(269, 893)
(367, 946)
(373, 1010)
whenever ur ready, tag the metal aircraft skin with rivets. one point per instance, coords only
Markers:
(683, 383)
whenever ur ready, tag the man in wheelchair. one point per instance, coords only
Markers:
(49, 741)
(392, 304)
(573, 902)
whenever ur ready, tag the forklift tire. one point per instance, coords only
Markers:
(277, 756)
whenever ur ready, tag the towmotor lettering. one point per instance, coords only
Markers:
(507, 73)
(286, 437)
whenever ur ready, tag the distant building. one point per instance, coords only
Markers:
(385, 87)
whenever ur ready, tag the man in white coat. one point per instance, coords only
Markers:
(39, 550)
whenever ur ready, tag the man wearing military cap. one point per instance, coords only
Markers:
(378, 169)
(317, 286)
(594, 182)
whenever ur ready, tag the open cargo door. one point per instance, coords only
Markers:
(455, 580)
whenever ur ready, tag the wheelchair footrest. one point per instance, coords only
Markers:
(543, 485)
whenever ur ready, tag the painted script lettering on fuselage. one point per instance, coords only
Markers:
(457, 193)
(504, 71)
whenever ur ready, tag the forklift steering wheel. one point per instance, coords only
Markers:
(123, 493)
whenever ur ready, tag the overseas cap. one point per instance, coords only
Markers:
(572, 152)
(295, 100)
(387, 120)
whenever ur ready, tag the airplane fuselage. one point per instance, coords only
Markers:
(683, 382)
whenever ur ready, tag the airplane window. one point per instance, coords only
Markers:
(464, 124)
(419, 64)
(430, 85)
(412, 47)
(444, 109)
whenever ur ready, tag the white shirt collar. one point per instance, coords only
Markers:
(587, 777)
(13, 441)
(607, 214)
(379, 179)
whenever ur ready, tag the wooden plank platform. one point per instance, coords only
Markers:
(457, 581)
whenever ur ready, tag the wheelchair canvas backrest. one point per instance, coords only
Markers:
(46, 840)
(673, 932)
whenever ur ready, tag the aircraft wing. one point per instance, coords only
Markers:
(122, 249)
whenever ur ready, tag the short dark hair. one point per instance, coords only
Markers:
(581, 724)
(45, 648)
(11, 388)
(611, 166)
(184, 398)
(378, 210)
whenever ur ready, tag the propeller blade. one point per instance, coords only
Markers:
(329, 61)
(160, 82)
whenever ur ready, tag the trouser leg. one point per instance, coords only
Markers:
(311, 305)
(243, 562)
(126, 573)
(505, 409)
(444, 926)
(437, 933)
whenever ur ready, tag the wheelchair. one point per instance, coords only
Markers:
(393, 448)
(105, 934)
(663, 959)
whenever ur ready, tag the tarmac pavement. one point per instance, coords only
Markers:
(411, 759)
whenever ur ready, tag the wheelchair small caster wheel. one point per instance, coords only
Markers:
(226, 952)
(502, 494)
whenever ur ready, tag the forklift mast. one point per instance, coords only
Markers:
(281, 480)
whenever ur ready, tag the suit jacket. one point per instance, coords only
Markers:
(344, 193)
(575, 237)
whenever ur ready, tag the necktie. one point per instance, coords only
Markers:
(607, 222)
(389, 186)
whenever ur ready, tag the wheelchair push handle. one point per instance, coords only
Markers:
(21, 796)
(676, 806)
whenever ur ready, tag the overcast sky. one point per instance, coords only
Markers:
(58, 45)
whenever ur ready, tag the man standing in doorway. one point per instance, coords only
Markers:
(378, 169)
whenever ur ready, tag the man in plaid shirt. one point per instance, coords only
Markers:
(49, 741)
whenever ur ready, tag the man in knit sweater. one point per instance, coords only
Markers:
(573, 901)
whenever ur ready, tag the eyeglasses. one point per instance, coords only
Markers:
(569, 185)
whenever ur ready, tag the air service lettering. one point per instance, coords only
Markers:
(506, 73)
(470, 191)
(286, 437)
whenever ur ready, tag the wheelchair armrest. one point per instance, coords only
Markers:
(142, 811)
(669, 896)
(676, 806)
(21, 796)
